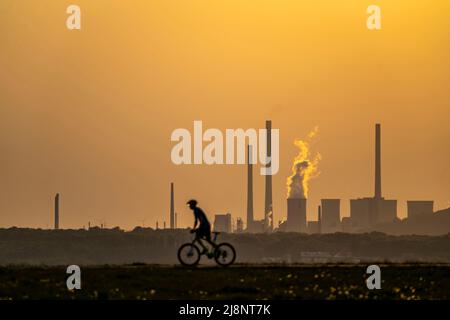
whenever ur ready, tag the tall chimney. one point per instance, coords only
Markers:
(249, 190)
(319, 218)
(377, 161)
(268, 208)
(57, 211)
(172, 208)
(176, 220)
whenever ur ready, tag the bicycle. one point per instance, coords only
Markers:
(189, 254)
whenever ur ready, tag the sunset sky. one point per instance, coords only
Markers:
(89, 113)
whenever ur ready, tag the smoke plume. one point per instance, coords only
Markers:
(304, 168)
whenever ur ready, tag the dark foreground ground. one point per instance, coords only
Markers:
(400, 281)
(117, 247)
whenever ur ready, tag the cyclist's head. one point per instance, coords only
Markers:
(192, 203)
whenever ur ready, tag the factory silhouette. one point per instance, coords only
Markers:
(369, 234)
(367, 214)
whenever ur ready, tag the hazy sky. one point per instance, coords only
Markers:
(89, 113)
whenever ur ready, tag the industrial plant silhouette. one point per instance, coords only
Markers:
(368, 234)
(366, 214)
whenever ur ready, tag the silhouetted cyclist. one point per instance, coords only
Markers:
(204, 229)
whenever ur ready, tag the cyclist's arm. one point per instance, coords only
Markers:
(196, 222)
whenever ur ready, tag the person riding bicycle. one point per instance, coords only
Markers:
(204, 229)
(189, 253)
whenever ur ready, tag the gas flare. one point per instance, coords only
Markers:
(304, 167)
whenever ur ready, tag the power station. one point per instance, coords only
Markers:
(365, 213)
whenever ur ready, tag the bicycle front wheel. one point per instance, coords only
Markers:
(224, 254)
(188, 254)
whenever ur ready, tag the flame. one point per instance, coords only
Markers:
(304, 168)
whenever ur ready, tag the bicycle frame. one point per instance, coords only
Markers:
(200, 241)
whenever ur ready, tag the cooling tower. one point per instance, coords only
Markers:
(296, 215)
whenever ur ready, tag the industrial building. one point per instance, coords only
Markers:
(346, 225)
(330, 216)
(239, 225)
(222, 223)
(366, 213)
(417, 208)
(313, 227)
(360, 213)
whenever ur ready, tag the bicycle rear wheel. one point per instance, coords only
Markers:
(224, 254)
(188, 254)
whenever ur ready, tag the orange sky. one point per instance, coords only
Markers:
(89, 113)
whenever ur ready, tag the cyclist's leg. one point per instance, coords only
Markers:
(207, 237)
(198, 239)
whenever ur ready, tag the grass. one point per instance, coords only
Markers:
(140, 281)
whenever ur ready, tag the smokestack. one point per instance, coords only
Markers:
(249, 190)
(296, 215)
(176, 220)
(377, 161)
(268, 208)
(172, 208)
(57, 211)
(319, 218)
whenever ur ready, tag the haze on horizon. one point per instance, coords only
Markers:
(89, 113)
